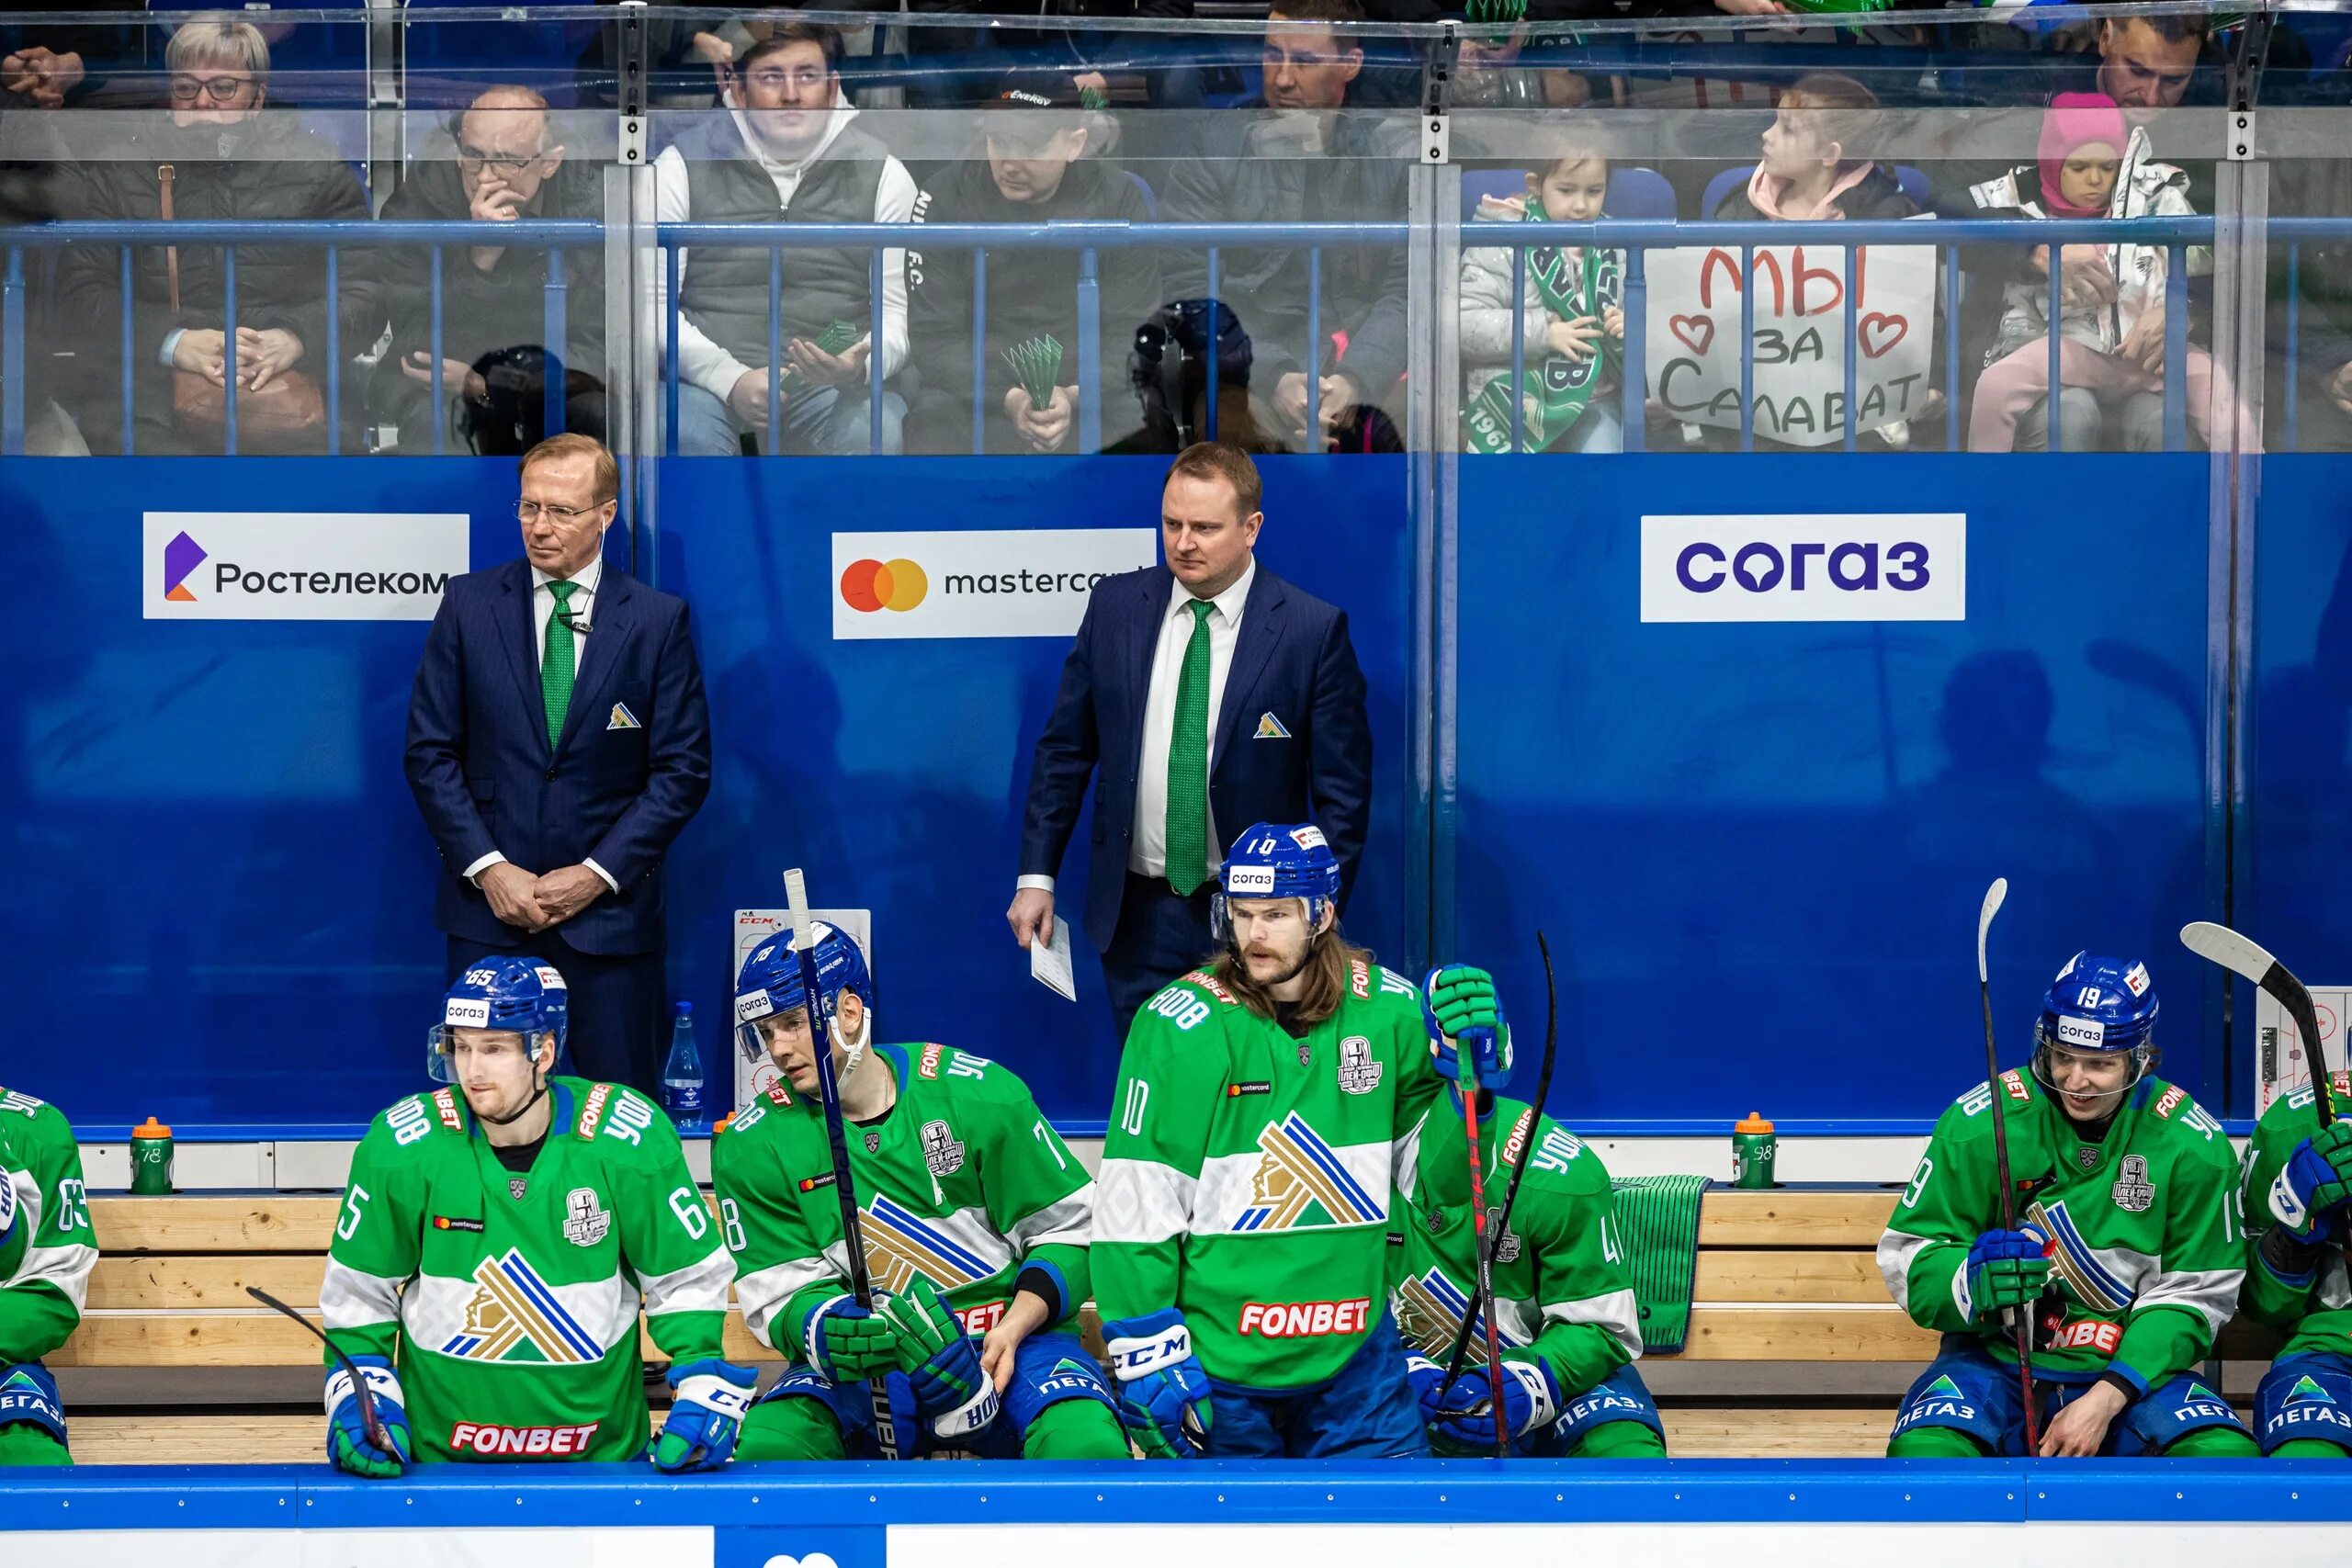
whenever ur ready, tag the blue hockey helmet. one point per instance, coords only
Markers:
(770, 982)
(2098, 1006)
(520, 994)
(1267, 861)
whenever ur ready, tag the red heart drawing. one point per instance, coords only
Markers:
(1879, 334)
(1697, 332)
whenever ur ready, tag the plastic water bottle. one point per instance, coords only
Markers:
(682, 1071)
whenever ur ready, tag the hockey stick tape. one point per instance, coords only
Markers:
(382, 1381)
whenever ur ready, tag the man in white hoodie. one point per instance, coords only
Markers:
(785, 150)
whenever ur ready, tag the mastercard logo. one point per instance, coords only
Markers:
(871, 585)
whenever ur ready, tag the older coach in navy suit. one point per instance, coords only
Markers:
(558, 741)
(1202, 697)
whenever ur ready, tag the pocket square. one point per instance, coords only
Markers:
(622, 719)
(1270, 728)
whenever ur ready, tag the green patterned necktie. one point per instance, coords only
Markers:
(556, 658)
(1188, 763)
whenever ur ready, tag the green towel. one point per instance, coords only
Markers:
(1659, 1217)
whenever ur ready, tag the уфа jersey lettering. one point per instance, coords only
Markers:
(966, 1185)
(509, 1304)
(1247, 1174)
(2149, 1239)
(1564, 1292)
(45, 1263)
(2317, 1316)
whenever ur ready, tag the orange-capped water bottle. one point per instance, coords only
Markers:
(1753, 1149)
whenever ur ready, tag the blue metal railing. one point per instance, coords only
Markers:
(335, 235)
(1635, 237)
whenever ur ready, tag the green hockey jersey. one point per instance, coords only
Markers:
(2318, 1315)
(2150, 1244)
(45, 1263)
(509, 1304)
(1564, 1292)
(1246, 1175)
(964, 1182)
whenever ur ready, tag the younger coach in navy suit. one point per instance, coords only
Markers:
(558, 741)
(1200, 694)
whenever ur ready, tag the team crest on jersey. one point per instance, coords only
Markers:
(1508, 1249)
(2074, 1263)
(942, 1155)
(1430, 1310)
(1437, 1220)
(2089, 1154)
(515, 1316)
(585, 1218)
(516, 1185)
(1359, 1073)
(1301, 1181)
(2132, 1189)
(874, 1142)
(900, 1244)
(1306, 1053)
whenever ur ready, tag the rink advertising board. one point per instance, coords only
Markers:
(1806, 567)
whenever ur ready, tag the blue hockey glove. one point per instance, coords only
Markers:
(2005, 1269)
(1163, 1394)
(707, 1407)
(1459, 1007)
(849, 1343)
(348, 1444)
(2309, 1194)
(1465, 1418)
(955, 1398)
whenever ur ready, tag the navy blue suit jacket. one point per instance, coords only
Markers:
(1293, 660)
(608, 791)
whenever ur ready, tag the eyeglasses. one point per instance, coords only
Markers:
(220, 89)
(528, 511)
(473, 162)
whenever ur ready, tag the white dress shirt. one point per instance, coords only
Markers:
(1148, 849)
(584, 605)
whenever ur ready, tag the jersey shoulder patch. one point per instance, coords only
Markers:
(422, 1116)
(2173, 1105)
(1392, 984)
(18, 1102)
(1185, 1003)
(2016, 1089)
(1205, 978)
(615, 1112)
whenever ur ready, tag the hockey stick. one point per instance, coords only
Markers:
(2019, 1317)
(1518, 1167)
(374, 1428)
(2244, 956)
(1482, 1296)
(829, 1088)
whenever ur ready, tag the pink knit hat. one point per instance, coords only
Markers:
(2076, 119)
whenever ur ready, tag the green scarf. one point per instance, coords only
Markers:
(1553, 393)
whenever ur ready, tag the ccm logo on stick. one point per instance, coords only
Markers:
(1290, 1320)
(1799, 566)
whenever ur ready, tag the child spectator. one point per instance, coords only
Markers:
(1572, 338)
(2111, 307)
(1810, 168)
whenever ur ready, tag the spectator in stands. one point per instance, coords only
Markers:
(1573, 331)
(787, 149)
(1036, 172)
(1815, 164)
(215, 155)
(2111, 339)
(1168, 370)
(558, 743)
(1209, 693)
(507, 165)
(2147, 63)
(1306, 157)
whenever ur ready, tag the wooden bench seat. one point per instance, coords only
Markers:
(1784, 1276)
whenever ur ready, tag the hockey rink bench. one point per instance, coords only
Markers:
(1784, 1276)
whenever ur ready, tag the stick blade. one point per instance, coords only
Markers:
(1992, 899)
(2225, 947)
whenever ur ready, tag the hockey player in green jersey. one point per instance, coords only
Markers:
(2297, 1200)
(47, 1250)
(2127, 1258)
(1264, 1111)
(974, 1218)
(497, 1239)
(1565, 1312)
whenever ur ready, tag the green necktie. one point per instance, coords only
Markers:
(1188, 763)
(555, 662)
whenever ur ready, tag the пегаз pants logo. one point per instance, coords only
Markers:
(870, 585)
(181, 557)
